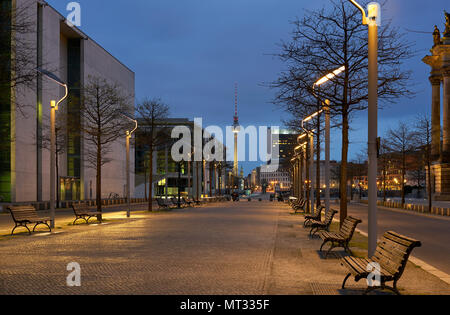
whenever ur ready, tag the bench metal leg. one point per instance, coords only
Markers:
(316, 230)
(348, 250)
(324, 243)
(20, 225)
(42, 223)
(345, 280)
(384, 287)
(79, 218)
(87, 221)
(329, 251)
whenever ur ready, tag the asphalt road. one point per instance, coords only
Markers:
(432, 231)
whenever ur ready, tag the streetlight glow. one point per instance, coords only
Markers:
(374, 13)
(330, 76)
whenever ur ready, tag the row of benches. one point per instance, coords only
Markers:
(391, 255)
(171, 203)
(25, 215)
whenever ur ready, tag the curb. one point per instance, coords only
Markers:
(420, 263)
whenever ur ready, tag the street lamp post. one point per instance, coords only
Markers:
(53, 108)
(129, 135)
(327, 156)
(373, 21)
(326, 108)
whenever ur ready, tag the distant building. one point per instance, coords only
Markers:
(286, 142)
(281, 179)
(191, 178)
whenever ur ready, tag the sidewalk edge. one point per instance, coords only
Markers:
(420, 263)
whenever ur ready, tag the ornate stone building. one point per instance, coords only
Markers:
(439, 61)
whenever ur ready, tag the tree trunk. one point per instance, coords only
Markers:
(430, 193)
(145, 181)
(99, 181)
(318, 163)
(343, 184)
(384, 182)
(150, 186)
(403, 179)
(58, 187)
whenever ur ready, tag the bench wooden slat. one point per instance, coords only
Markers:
(392, 255)
(24, 215)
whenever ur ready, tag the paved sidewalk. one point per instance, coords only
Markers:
(433, 231)
(299, 268)
(217, 249)
(65, 217)
(225, 248)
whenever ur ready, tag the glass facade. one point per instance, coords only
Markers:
(5, 101)
(73, 109)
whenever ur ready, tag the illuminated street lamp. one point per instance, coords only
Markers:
(323, 80)
(129, 135)
(54, 107)
(373, 20)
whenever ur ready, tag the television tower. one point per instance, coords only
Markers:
(236, 130)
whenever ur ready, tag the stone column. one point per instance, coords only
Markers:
(446, 145)
(436, 117)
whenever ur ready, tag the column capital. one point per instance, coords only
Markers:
(435, 79)
(446, 72)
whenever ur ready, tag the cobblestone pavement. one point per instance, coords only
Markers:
(433, 231)
(299, 268)
(218, 249)
(228, 248)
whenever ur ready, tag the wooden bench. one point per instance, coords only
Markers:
(341, 239)
(24, 215)
(188, 202)
(82, 212)
(198, 202)
(392, 255)
(317, 226)
(161, 204)
(298, 205)
(311, 218)
(175, 202)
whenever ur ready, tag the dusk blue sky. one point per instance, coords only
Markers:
(191, 52)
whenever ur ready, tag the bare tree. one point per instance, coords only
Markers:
(101, 108)
(17, 47)
(328, 39)
(423, 139)
(152, 112)
(358, 168)
(400, 142)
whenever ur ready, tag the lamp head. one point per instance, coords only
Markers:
(374, 13)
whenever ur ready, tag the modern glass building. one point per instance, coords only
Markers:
(25, 108)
